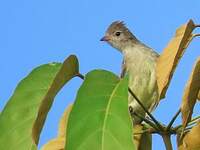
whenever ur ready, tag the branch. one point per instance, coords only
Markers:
(143, 107)
(167, 141)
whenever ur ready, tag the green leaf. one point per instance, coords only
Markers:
(23, 117)
(100, 119)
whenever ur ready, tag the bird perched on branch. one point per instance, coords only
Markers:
(139, 61)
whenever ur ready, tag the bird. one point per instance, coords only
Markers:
(139, 62)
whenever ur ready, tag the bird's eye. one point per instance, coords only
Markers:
(117, 33)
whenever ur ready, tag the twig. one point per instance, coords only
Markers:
(150, 115)
(193, 121)
(167, 141)
(188, 128)
(173, 119)
(179, 131)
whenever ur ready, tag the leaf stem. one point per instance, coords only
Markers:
(173, 119)
(198, 25)
(80, 76)
(196, 35)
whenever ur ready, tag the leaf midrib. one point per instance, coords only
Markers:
(106, 115)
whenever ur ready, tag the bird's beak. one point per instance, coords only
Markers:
(105, 38)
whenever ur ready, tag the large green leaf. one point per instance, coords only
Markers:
(100, 118)
(23, 117)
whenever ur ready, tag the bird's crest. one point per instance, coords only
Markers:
(117, 25)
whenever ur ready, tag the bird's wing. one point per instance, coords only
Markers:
(123, 69)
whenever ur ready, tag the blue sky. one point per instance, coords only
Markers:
(35, 32)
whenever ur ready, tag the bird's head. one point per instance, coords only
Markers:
(118, 35)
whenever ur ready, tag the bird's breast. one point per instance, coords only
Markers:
(140, 65)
